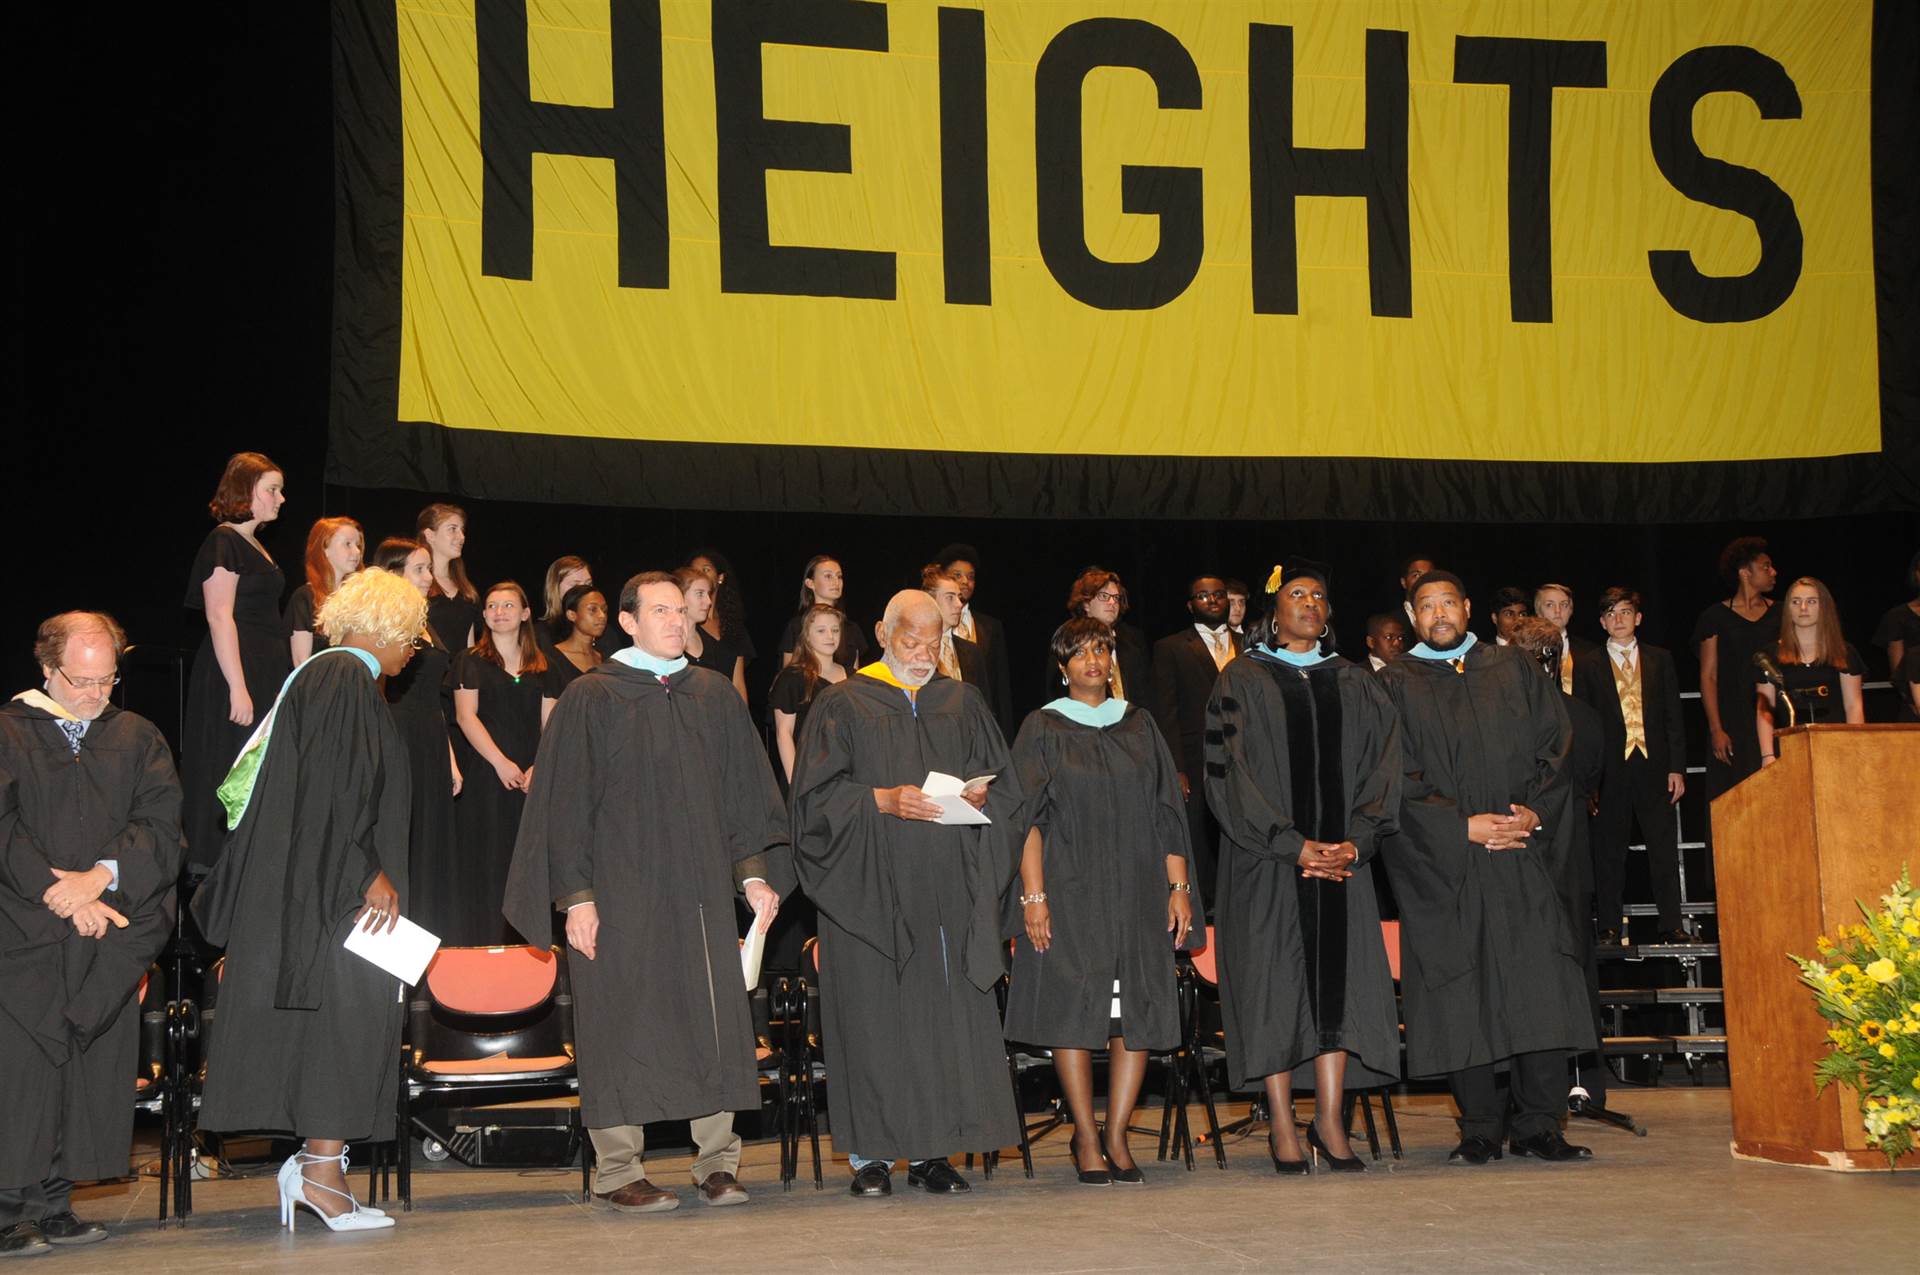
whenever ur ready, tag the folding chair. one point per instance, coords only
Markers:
(1390, 936)
(486, 1024)
(1188, 1064)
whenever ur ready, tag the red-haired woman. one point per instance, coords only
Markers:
(335, 548)
(813, 667)
(243, 659)
(453, 607)
(1098, 594)
(503, 690)
(1822, 670)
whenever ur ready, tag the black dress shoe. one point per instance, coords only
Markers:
(1090, 1177)
(23, 1239)
(1290, 1168)
(1347, 1164)
(1131, 1177)
(936, 1177)
(1548, 1146)
(873, 1180)
(1474, 1150)
(64, 1228)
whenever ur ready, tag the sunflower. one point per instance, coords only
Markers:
(1872, 1032)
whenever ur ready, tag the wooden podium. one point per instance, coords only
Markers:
(1794, 847)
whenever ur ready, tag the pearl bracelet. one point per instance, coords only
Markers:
(1026, 900)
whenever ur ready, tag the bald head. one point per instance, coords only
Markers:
(909, 633)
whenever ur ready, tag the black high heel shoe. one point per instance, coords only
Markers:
(1092, 1177)
(1348, 1164)
(1130, 1177)
(1290, 1168)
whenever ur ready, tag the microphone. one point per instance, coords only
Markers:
(1771, 671)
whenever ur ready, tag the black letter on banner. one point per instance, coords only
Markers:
(965, 233)
(1282, 172)
(751, 144)
(1531, 70)
(1708, 298)
(1172, 194)
(631, 133)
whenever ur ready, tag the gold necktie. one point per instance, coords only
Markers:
(1566, 669)
(949, 659)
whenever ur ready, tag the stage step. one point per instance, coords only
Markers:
(1636, 1046)
(1706, 908)
(1660, 996)
(1640, 951)
(1702, 1044)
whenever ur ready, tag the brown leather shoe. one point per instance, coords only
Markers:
(640, 1197)
(722, 1188)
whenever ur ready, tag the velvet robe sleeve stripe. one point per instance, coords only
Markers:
(1248, 813)
(326, 817)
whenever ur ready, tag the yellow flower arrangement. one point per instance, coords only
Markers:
(1867, 985)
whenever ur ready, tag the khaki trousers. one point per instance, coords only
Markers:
(620, 1152)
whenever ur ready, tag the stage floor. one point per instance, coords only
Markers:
(1674, 1200)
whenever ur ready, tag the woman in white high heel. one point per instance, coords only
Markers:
(318, 804)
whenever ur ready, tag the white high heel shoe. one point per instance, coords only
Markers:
(293, 1192)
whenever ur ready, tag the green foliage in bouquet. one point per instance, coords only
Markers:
(1866, 982)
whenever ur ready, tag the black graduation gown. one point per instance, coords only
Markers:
(653, 800)
(1490, 966)
(307, 1035)
(69, 1027)
(419, 711)
(1292, 756)
(909, 918)
(1109, 812)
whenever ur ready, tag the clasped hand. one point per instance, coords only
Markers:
(1327, 860)
(1503, 832)
(72, 891)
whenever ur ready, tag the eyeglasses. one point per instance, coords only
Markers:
(1108, 595)
(1204, 594)
(90, 683)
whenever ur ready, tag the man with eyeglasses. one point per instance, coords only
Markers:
(90, 822)
(910, 942)
(1634, 688)
(1185, 665)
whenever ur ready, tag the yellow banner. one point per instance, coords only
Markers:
(1517, 231)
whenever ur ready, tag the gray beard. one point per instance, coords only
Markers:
(906, 679)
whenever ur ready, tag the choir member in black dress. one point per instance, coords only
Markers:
(723, 633)
(453, 606)
(1303, 775)
(962, 562)
(1105, 895)
(307, 1035)
(503, 691)
(824, 583)
(1099, 594)
(1898, 633)
(654, 811)
(1823, 673)
(1490, 962)
(568, 571)
(335, 547)
(910, 947)
(1725, 638)
(90, 822)
(812, 668)
(244, 657)
(583, 620)
(706, 651)
(417, 697)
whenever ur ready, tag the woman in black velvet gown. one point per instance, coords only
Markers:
(503, 690)
(244, 657)
(453, 608)
(418, 704)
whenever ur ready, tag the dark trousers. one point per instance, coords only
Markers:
(1633, 791)
(36, 1202)
(1535, 1095)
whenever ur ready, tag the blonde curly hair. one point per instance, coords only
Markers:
(378, 605)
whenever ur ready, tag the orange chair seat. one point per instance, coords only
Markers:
(142, 1083)
(498, 1065)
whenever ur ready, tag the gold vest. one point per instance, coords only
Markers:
(1626, 684)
